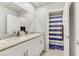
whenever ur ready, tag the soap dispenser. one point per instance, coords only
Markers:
(18, 34)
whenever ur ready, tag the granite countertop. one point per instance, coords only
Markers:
(8, 43)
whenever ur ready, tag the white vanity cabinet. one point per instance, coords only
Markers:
(31, 47)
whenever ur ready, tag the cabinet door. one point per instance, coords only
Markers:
(32, 47)
(41, 38)
(41, 44)
(35, 46)
(19, 50)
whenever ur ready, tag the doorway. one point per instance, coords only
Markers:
(56, 33)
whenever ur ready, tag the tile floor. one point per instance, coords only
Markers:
(54, 52)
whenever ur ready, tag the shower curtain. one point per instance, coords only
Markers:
(56, 32)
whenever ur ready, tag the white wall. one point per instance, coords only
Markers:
(3, 12)
(13, 24)
(29, 16)
(41, 22)
(76, 28)
(42, 17)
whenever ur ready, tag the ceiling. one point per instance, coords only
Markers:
(12, 6)
(37, 4)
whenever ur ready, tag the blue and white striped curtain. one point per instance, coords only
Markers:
(55, 32)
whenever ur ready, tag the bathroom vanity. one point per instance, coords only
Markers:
(27, 45)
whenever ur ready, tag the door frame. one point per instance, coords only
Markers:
(66, 27)
(54, 10)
